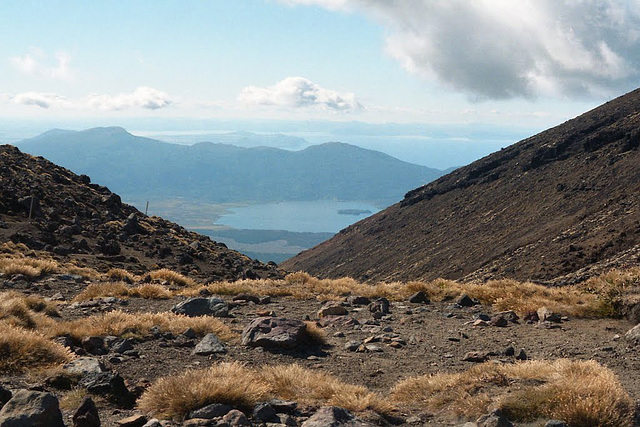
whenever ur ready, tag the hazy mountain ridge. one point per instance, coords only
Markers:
(563, 202)
(142, 167)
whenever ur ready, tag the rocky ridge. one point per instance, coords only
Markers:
(554, 208)
(48, 208)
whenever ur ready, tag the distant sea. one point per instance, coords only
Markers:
(314, 216)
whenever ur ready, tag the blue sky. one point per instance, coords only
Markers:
(498, 62)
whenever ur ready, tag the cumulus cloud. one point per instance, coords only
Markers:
(497, 49)
(299, 92)
(144, 97)
(37, 63)
(40, 99)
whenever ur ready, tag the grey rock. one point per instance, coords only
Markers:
(210, 344)
(332, 308)
(465, 300)
(633, 334)
(275, 332)
(85, 365)
(153, 422)
(5, 396)
(86, 415)
(247, 297)
(236, 418)
(202, 307)
(208, 412)
(352, 345)
(475, 357)
(122, 346)
(494, 419)
(283, 406)
(358, 300)
(380, 306)
(419, 298)
(555, 423)
(31, 409)
(332, 416)
(522, 355)
(264, 412)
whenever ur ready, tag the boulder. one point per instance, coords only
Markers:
(199, 306)
(236, 418)
(29, 408)
(332, 416)
(546, 315)
(494, 419)
(633, 334)
(274, 332)
(332, 308)
(419, 298)
(210, 344)
(5, 396)
(84, 365)
(465, 300)
(211, 411)
(86, 415)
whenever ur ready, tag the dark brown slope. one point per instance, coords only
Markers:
(563, 202)
(77, 220)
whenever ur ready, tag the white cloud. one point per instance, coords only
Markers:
(40, 99)
(144, 97)
(299, 92)
(37, 63)
(497, 49)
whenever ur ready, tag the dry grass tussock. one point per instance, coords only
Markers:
(22, 350)
(26, 311)
(119, 323)
(32, 268)
(175, 396)
(582, 393)
(233, 383)
(123, 290)
(599, 297)
(172, 277)
(119, 275)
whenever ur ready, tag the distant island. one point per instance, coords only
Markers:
(354, 212)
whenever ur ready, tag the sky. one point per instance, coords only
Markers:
(503, 63)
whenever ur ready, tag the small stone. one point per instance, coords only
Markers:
(86, 415)
(521, 355)
(263, 412)
(210, 344)
(480, 323)
(213, 410)
(465, 300)
(509, 351)
(419, 298)
(339, 334)
(236, 418)
(247, 297)
(494, 419)
(358, 300)
(153, 422)
(332, 308)
(352, 345)
(555, 423)
(133, 421)
(475, 357)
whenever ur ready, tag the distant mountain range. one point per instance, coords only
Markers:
(138, 167)
(556, 207)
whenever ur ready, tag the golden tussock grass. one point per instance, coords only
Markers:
(123, 290)
(320, 388)
(22, 350)
(582, 393)
(71, 400)
(172, 277)
(25, 311)
(315, 333)
(598, 297)
(119, 275)
(177, 395)
(119, 323)
(235, 384)
(29, 267)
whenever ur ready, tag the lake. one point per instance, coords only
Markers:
(314, 216)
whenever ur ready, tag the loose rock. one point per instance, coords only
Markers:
(86, 415)
(210, 344)
(32, 409)
(274, 332)
(202, 307)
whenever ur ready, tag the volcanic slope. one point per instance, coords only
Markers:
(556, 207)
(74, 219)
